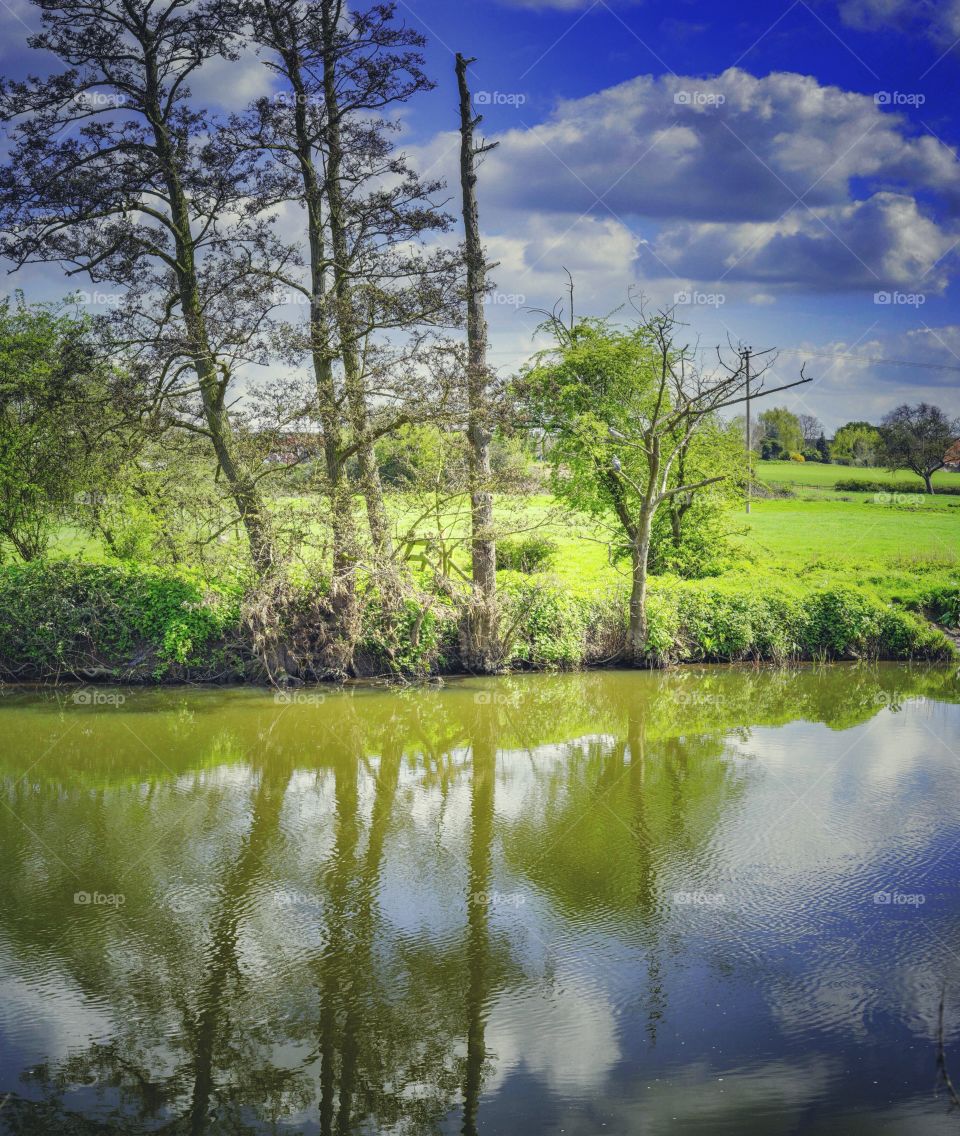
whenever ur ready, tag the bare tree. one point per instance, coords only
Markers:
(483, 545)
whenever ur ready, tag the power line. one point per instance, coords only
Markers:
(868, 359)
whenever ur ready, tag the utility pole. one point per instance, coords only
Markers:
(746, 363)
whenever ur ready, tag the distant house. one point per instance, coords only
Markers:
(293, 448)
(952, 457)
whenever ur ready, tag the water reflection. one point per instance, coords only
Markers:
(640, 901)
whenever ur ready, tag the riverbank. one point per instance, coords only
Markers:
(110, 623)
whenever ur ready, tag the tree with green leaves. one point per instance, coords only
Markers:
(116, 174)
(918, 438)
(782, 433)
(622, 406)
(856, 443)
(56, 410)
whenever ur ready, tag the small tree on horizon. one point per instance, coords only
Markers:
(918, 438)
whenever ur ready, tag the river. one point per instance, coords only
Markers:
(716, 900)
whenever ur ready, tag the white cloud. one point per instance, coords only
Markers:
(731, 148)
(882, 242)
(938, 20)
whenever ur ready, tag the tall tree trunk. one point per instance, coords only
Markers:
(928, 481)
(343, 528)
(482, 789)
(212, 385)
(640, 554)
(377, 518)
(483, 545)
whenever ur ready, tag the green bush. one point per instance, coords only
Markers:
(534, 553)
(414, 638)
(544, 625)
(728, 622)
(70, 617)
(852, 485)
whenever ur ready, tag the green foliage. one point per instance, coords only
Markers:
(54, 412)
(71, 617)
(943, 604)
(601, 379)
(415, 637)
(729, 622)
(781, 433)
(853, 485)
(533, 553)
(512, 465)
(917, 438)
(546, 625)
(691, 532)
(856, 443)
(414, 455)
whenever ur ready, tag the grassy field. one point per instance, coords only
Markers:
(816, 476)
(816, 535)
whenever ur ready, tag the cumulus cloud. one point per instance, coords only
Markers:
(882, 242)
(734, 147)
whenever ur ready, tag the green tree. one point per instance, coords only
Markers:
(691, 533)
(54, 412)
(782, 433)
(622, 407)
(918, 438)
(856, 443)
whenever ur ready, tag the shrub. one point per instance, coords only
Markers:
(534, 553)
(726, 622)
(70, 617)
(795, 457)
(414, 637)
(544, 626)
(852, 485)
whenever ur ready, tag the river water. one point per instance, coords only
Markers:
(716, 900)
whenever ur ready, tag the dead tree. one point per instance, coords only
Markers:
(483, 544)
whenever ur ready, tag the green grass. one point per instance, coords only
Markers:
(815, 537)
(816, 475)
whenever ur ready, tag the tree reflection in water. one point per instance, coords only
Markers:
(335, 949)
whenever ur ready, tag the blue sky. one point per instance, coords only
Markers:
(788, 170)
